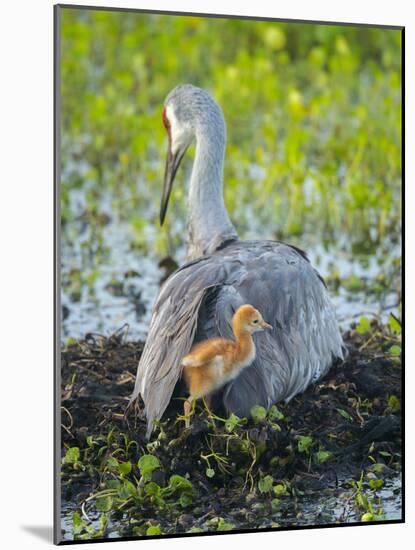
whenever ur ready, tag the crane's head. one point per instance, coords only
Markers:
(188, 112)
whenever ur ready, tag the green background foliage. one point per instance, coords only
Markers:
(313, 155)
(313, 115)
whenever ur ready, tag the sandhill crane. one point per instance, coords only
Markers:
(198, 300)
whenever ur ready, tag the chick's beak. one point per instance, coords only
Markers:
(172, 164)
(266, 325)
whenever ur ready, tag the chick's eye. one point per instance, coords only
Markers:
(255, 321)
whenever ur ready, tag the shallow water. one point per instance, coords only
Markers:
(332, 505)
(336, 506)
(108, 282)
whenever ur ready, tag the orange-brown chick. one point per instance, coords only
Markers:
(213, 363)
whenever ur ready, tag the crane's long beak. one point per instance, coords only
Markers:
(172, 164)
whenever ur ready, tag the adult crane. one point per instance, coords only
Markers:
(198, 300)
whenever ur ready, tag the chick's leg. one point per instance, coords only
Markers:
(188, 409)
(207, 400)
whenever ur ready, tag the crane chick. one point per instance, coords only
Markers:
(212, 363)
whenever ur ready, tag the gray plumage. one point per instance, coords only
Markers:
(198, 300)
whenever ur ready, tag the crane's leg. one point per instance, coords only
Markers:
(187, 407)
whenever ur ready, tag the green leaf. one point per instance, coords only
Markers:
(104, 504)
(275, 414)
(395, 350)
(275, 504)
(394, 324)
(275, 461)
(224, 525)
(152, 489)
(258, 413)
(78, 524)
(361, 501)
(385, 454)
(147, 464)
(363, 326)
(113, 484)
(376, 484)
(276, 427)
(367, 516)
(210, 472)
(185, 500)
(112, 464)
(280, 489)
(71, 456)
(231, 423)
(103, 522)
(304, 444)
(159, 502)
(265, 484)
(153, 530)
(323, 456)
(378, 467)
(124, 468)
(345, 414)
(127, 489)
(180, 483)
(394, 403)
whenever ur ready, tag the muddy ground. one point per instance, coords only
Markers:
(331, 455)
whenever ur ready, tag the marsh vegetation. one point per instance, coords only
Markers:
(332, 455)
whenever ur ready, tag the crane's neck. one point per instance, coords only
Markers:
(208, 223)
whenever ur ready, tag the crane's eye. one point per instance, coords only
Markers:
(255, 321)
(166, 121)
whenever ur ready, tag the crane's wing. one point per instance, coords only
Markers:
(280, 282)
(173, 328)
